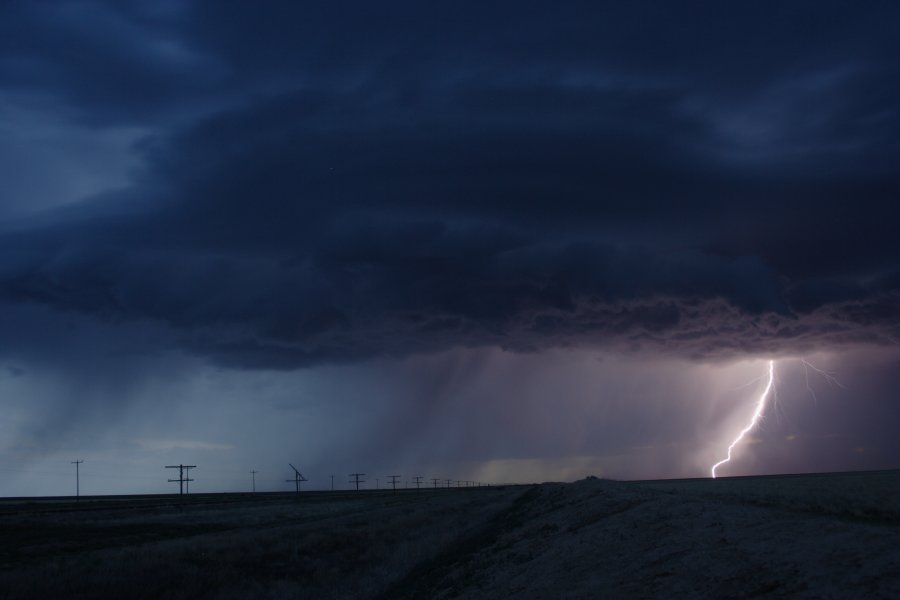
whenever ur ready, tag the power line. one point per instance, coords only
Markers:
(188, 480)
(298, 477)
(181, 478)
(356, 479)
(77, 480)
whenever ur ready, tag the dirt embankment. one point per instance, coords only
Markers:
(813, 537)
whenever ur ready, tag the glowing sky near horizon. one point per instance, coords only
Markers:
(575, 413)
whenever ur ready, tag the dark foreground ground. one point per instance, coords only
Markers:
(831, 536)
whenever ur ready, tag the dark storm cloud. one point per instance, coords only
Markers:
(329, 183)
(105, 62)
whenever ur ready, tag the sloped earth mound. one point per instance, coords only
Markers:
(766, 537)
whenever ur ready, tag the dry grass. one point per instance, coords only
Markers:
(805, 536)
(871, 496)
(329, 548)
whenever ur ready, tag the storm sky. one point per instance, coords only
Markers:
(496, 241)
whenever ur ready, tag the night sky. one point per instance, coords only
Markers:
(492, 241)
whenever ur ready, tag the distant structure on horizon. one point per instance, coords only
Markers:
(298, 477)
(182, 479)
(357, 479)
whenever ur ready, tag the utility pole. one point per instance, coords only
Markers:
(357, 480)
(418, 480)
(181, 478)
(377, 483)
(253, 474)
(298, 477)
(448, 482)
(188, 480)
(332, 483)
(435, 481)
(77, 480)
(394, 479)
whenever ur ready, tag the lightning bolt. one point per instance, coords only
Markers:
(828, 376)
(757, 414)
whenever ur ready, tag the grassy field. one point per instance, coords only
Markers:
(866, 496)
(801, 536)
(315, 545)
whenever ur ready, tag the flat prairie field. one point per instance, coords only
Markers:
(798, 536)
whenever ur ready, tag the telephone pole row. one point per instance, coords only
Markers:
(184, 479)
